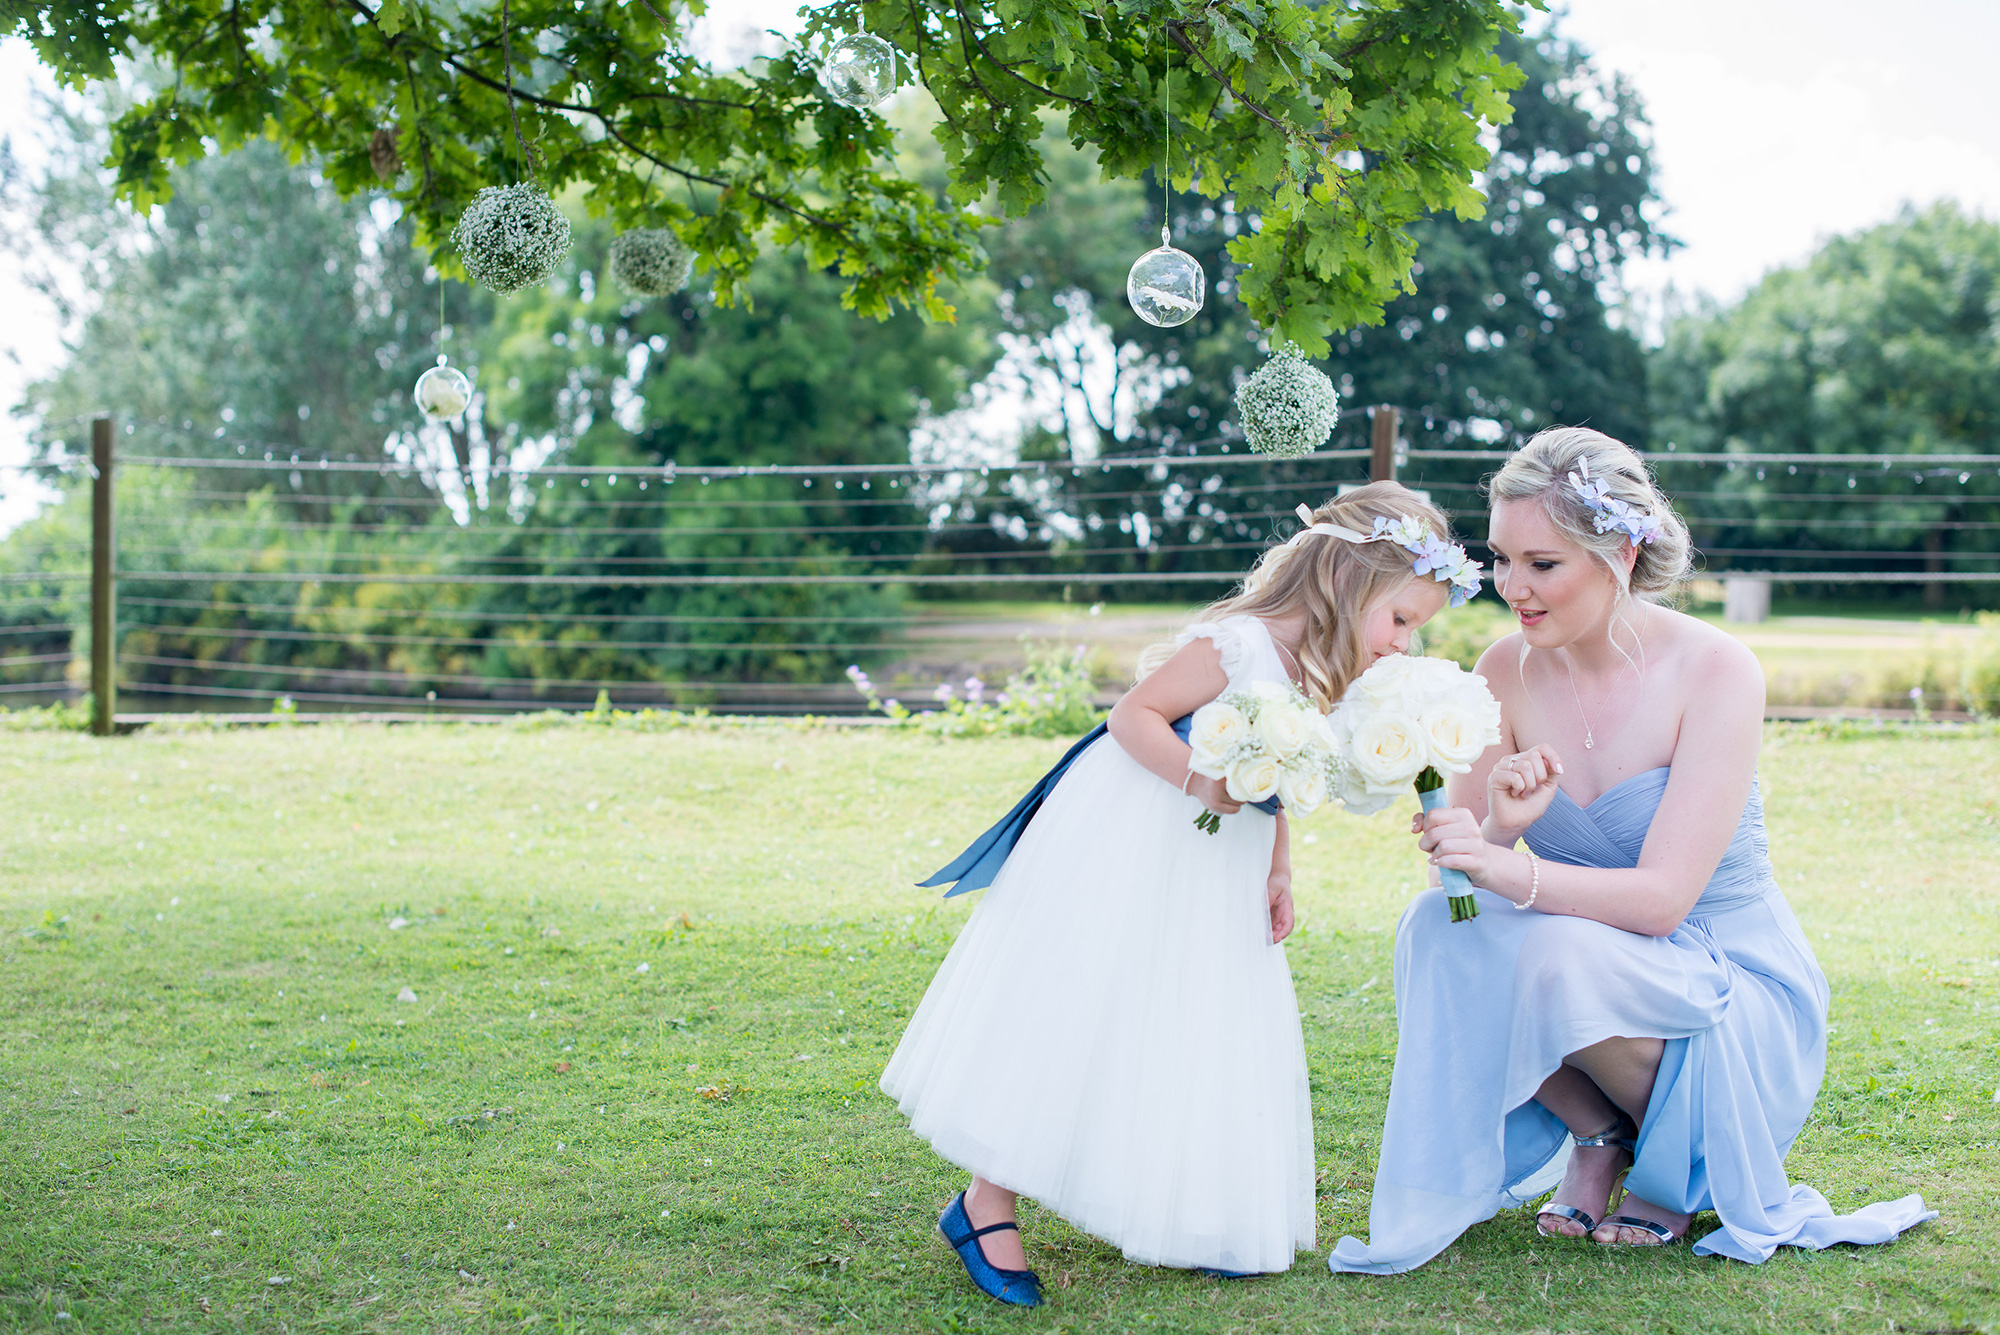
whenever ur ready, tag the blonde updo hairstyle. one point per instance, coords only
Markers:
(1333, 581)
(1539, 471)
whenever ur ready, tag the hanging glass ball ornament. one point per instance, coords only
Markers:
(442, 392)
(859, 71)
(651, 261)
(1166, 286)
(1289, 406)
(511, 237)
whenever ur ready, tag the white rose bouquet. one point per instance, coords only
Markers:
(1412, 721)
(1264, 742)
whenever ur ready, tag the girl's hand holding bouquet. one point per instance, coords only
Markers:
(1263, 742)
(1213, 794)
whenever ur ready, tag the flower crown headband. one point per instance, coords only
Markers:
(1445, 562)
(1610, 512)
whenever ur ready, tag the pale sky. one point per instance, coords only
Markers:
(1777, 123)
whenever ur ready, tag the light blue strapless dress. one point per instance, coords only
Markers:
(1487, 1010)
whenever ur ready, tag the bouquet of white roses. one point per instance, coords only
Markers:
(1412, 721)
(1265, 741)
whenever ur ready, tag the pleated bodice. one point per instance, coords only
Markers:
(1611, 832)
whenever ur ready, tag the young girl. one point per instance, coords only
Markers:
(1114, 1033)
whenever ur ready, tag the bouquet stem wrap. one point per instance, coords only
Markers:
(1457, 886)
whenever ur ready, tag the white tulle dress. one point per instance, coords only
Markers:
(1113, 1034)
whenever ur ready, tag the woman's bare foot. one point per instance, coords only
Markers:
(1593, 1171)
(1638, 1207)
(986, 1204)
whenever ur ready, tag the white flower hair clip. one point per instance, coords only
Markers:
(1445, 562)
(1610, 512)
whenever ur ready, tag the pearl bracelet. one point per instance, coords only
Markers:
(1534, 880)
(1185, 782)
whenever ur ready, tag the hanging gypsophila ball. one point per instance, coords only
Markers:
(1289, 406)
(511, 237)
(442, 392)
(1166, 286)
(859, 71)
(651, 261)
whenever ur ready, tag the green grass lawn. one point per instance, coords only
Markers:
(656, 976)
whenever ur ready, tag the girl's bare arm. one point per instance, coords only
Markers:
(1143, 722)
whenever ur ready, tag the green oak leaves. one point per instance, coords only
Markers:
(1332, 126)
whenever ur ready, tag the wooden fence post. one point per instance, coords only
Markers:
(1384, 419)
(103, 592)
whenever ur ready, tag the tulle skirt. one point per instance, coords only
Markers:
(1114, 1036)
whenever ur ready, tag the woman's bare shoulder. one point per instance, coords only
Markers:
(1709, 662)
(1712, 652)
(1501, 663)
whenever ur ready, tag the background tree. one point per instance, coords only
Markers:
(1517, 320)
(1885, 341)
(1515, 323)
(1338, 126)
(578, 372)
(257, 314)
(786, 378)
(257, 311)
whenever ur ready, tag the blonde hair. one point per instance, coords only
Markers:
(1539, 471)
(1333, 581)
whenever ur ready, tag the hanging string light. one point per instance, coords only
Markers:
(1166, 286)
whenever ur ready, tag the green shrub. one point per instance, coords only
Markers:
(1959, 674)
(1052, 696)
(57, 717)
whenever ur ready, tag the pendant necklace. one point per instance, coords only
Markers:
(1589, 736)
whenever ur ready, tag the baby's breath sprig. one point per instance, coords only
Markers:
(1288, 407)
(651, 261)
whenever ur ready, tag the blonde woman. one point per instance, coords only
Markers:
(1114, 1033)
(1635, 989)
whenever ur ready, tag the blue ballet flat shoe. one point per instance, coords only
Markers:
(1214, 1272)
(1020, 1288)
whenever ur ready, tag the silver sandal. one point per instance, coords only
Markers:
(1571, 1212)
(1667, 1237)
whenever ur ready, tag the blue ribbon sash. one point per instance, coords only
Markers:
(975, 868)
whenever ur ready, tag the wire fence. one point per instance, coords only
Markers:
(255, 574)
